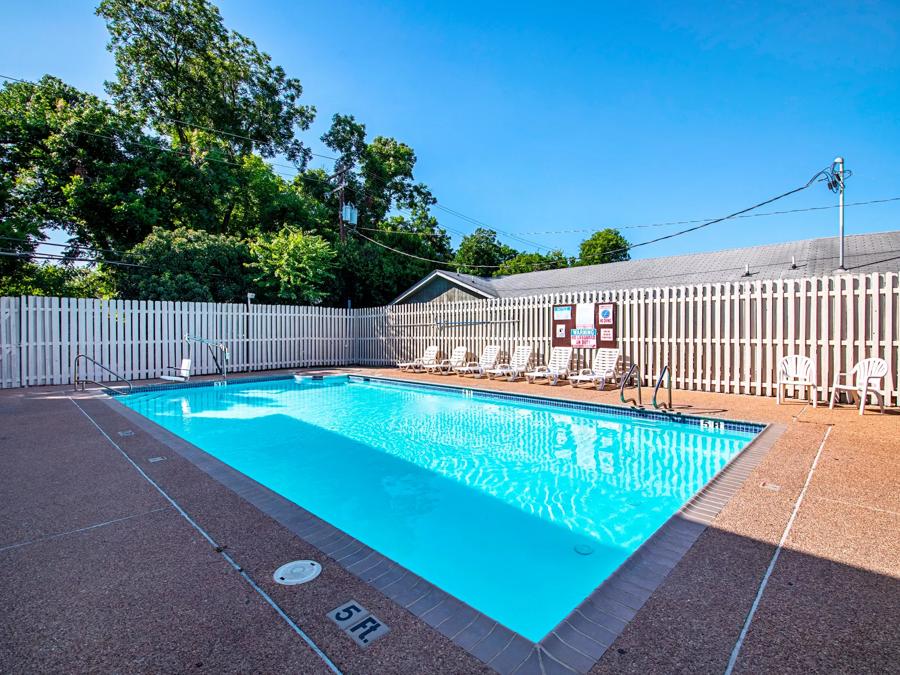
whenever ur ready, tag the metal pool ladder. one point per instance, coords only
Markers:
(667, 373)
(631, 371)
(83, 380)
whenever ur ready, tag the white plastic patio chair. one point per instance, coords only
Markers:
(446, 366)
(557, 367)
(516, 367)
(605, 368)
(182, 373)
(797, 371)
(427, 359)
(477, 368)
(867, 378)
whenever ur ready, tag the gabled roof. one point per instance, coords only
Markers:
(479, 286)
(876, 252)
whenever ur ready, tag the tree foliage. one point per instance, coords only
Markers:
(188, 265)
(604, 246)
(481, 253)
(533, 262)
(293, 265)
(180, 69)
(58, 280)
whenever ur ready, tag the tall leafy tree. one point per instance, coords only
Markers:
(180, 69)
(70, 162)
(378, 178)
(604, 246)
(480, 253)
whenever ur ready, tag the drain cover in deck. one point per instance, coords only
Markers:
(297, 572)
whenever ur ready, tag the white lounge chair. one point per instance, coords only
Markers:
(446, 366)
(797, 371)
(182, 373)
(869, 376)
(427, 359)
(477, 368)
(605, 368)
(516, 367)
(557, 367)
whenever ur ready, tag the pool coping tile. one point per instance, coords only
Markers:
(581, 638)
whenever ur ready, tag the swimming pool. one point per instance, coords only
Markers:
(515, 506)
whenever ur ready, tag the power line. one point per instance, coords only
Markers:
(625, 249)
(702, 220)
(418, 257)
(95, 261)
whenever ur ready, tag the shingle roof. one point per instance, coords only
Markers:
(877, 252)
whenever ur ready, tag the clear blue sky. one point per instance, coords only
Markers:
(531, 118)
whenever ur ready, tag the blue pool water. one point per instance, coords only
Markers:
(487, 499)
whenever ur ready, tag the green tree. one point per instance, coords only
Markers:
(293, 265)
(375, 275)
(187, 265)
(180, 69)
(604, 246)
(58, 280)
(480, 253)
(533, 262)
(68, 161)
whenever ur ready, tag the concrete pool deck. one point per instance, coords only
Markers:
(101, 572)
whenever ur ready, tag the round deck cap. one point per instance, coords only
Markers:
(297, 572)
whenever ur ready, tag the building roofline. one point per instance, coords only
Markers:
(440, 273)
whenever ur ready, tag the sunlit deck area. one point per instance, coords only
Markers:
(117, 548)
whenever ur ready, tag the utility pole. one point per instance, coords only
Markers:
(839, 163)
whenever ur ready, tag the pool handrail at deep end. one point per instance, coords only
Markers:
(665, 372)
(638, 403)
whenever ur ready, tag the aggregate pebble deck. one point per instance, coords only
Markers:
(99, 573)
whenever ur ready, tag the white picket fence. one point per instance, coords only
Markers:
(41, 336)
(725, 337)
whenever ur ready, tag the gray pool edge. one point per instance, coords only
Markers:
(576, 643)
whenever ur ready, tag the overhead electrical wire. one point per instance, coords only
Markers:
(703, 220)
(437, 205)
(824, 172)
(64, 258)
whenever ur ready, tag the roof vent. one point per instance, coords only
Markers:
(747, 270)
(793, 263)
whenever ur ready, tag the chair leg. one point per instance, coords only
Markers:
(814, 395)
(864, 396)
(834, 392)
(778, 393)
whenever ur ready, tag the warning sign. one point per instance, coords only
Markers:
(584, 325)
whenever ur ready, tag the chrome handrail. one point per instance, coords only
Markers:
(82, 382)
(666, 371)
(638, 402)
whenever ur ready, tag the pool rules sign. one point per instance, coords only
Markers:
(585, 325)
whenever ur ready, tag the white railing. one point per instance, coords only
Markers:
(724, 337)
